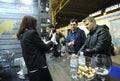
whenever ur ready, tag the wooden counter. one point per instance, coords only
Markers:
(60, 70)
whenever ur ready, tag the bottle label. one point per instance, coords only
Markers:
(73, 61)
(82, 60)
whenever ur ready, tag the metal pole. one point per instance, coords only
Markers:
(39, 17)
(50, 6)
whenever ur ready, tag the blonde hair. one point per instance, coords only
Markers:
(91, 19)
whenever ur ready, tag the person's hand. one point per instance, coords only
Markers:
(71, 43)
(88, 52)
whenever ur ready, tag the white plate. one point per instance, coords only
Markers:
(104, 72)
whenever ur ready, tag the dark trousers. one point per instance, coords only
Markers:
(40, 75)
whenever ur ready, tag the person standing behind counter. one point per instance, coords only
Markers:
(49, 30)
(33, 49)
(97, 45)
(75, 37)
(98, 40)
(60, 39)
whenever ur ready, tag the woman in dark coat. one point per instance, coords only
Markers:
(33, 49)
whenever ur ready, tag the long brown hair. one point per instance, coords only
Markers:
(28, 22)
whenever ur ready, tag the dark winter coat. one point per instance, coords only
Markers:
(34, 50)
(98, 41)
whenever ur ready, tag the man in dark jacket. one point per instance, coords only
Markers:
(97, 44)
(98, 40)
(75, 37)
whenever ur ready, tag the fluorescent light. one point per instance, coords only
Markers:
(27, 1)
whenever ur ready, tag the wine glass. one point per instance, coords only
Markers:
(102, 65)
(63, 51)
(71, 47)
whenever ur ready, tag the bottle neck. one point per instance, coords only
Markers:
(81, 54)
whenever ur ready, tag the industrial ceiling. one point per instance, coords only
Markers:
(78, 9)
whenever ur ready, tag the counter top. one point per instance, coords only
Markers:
(60, 69)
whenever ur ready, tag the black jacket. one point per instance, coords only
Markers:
(33, 49)
(98, 41)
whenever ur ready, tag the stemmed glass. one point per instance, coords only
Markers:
(102, 65)
(63, 51)
(71, 47)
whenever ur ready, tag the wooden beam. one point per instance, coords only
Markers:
(74, 13)
(57, 10)
(60, 6)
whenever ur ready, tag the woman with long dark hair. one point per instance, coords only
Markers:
(33, 49)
